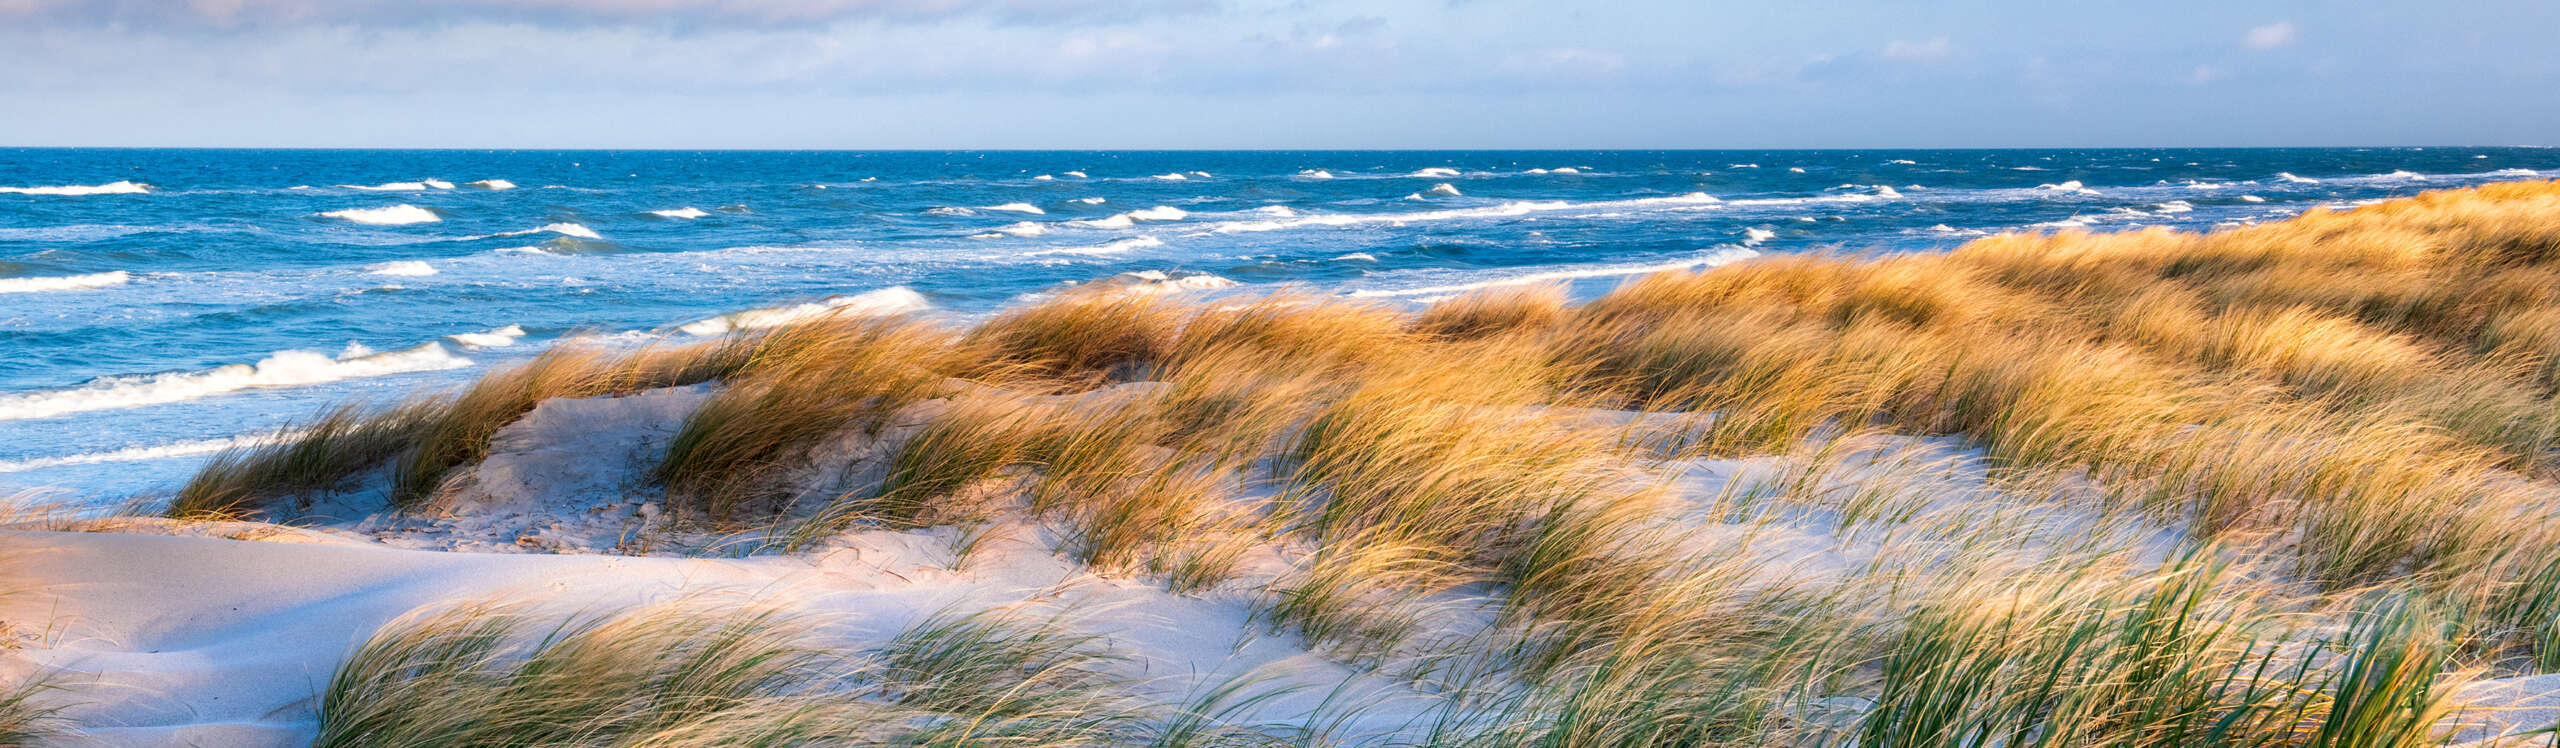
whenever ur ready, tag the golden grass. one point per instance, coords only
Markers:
(2346, 419)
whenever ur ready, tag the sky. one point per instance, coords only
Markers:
(1179, 74)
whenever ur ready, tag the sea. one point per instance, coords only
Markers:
(159, 306)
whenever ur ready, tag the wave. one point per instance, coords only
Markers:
(687, 212)
(2173, 206)
(949, 211)
(1505, 210)
(1433, 171)
(2070, 187)
(2252, 199)
(1159, 282)
(282, 369)
(1088, 200)
(157, 452)
(886, 301)
(1131, 218)
(1173, 177)
(1018, 228)
(1113, 248)
(423, 184)
(498, 338)
(1357, 257)
(1742, 166)
(1076, 174)
(1017, 208)
(1723, 256)
(1567, 170)
(1902, 161)
(403, 213)
(1443, 189)
(1795, 170)
(64, 282)
(2286, 176)
(2403, 175)
(123, 187)
(563, 229)
(1315, 174)
(1752, 237)
(1045, 178)
(402, 267)
(1277, 211)
(491, 184)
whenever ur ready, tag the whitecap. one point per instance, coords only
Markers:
(283, 369)
(402, 267)
(2404, 175)
(1089, 200)
(1076, 174)
(1433, 171)
(2072, 187)
(1567, 170)
(1277, 211)
(498, 338)
(1044, 178)
(155, 452)
(1796, 169)
(64, 282)
(1752, 237)
(1443, 189)
(1504, 210)
(423, 184)
(1172, 177)
(1125, 220)
(491, 184)
(1315, 174)
(687, 212)
(949, 211)
(1118, 247)
(564, 229)
(2252, 199)
(125, 187)
(1908, 162)
(1023, 228)
(882, 302)
(390, 216)
(2286, 176)
(2173, 206)
(1742, 166)
(1357, 257)
(1160, 282)
(1718, 257)
(1016, 208)
(1201, 174)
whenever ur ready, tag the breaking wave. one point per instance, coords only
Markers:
(126, 187)
(687, 212)
(282, 369)
(886, 301)
(392, 216)
(1719, 257)
(64, 282)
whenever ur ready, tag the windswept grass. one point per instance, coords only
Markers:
(322, 455)
(26, 717)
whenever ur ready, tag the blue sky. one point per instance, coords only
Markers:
(1275, 73)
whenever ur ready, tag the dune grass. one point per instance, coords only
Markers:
(2283, 484)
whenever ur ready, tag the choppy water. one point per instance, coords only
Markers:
(156, 304)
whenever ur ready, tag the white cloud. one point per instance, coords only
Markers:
(2270, 36)
(1932, 49)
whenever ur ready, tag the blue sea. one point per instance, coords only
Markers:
(159, 305)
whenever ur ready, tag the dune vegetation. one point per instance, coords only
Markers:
(2284, 484)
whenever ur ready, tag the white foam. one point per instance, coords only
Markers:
(1161, 282)
(1076, 174)
(1752, 237)
(1443, 189)
(1125, 220)
(1118, 247)
(402, 267)
(1742, 166)
(2286, 176)
(948, 211)
(423, 184)
(1908, 162)
(1201, 174)
(564, 229)
(687, 212)
(391, 216)
(2252, 199)
(1277, 211)
(1505, 210)
(498, 338)
(1357, 257)
(156, 452)
(1315, 174)
(2403, 175)
(1796, 169)
(64, 282)
(2515, 173)
(1567, 170)
(491, 184)
(2072, 187)
(1016, 208)
(283, 369)
(122, 187)
(1044, 178)
(1433, 171)
(886, 301)
(1719, 257)
(2173, 206)
(1943, 229)
(1020, 228)
(1088, 200)
(1173, 177)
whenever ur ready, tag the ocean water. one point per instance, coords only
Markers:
(158, 305)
